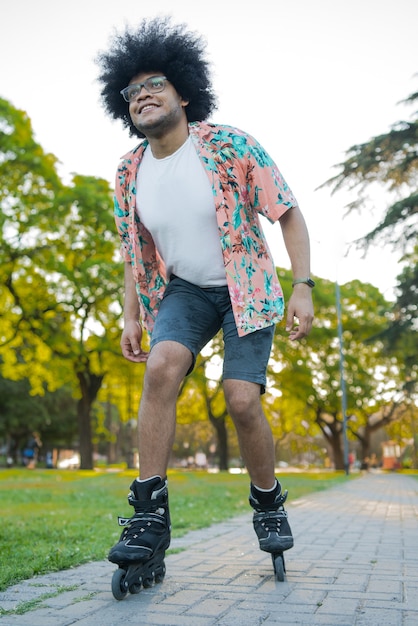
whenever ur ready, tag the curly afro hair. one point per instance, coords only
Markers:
(157, 45)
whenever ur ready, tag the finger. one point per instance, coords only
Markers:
(136, 358)
(295, 334)
(300, 331)
(136, 350)
(143, 357)
(306, 324)
(290, 321)
(130, 345)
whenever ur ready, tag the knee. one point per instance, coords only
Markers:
(243, 411)
(164, 369)
(159, 370)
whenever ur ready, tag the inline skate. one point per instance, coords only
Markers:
(140, 551)
(272, 527)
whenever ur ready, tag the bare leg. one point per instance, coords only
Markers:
(257, 448)
(254, 433)
(167, 365)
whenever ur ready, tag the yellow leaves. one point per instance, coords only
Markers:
(31, 359)
(122, 385)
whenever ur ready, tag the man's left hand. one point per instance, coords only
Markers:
(299, 313)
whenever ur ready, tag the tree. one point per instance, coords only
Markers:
(211, 391)
(61, 286)
(389, 162)
(201, 397)
(52, 415)
(119, 400)
(304, 377)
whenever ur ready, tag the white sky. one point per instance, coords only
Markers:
(307, 78)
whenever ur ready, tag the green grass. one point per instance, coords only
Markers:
(56, 519)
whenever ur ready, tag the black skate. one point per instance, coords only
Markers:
(141, 548)
(272, 529)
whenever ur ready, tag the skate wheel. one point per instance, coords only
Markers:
(135, 588)
(160, 573)
(147, 582)
(278, 565)
(119, 589)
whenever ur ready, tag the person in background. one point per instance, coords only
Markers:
(31, 451)
(188, 201)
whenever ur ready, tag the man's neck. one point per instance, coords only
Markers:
(169, 143)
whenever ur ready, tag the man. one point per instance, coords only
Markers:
(187, 205)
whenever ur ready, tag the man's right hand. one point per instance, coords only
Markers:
(131, 342)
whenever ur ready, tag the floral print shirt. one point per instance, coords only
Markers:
(246, 184)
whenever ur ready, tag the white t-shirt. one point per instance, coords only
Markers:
(175, 203)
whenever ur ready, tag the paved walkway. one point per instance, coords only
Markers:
(355, 563)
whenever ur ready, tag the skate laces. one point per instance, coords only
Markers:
(271, 520)
(142, 519)
(270, 516)
(139, 524)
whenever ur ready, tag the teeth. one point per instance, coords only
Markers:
(148, 108)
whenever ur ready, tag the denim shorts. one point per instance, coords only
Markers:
(193, 315)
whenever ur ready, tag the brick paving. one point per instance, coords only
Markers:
(355, 563)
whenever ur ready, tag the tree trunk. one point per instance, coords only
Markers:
(365, 441)
(337, 452)
(414, 439)
(332, 433)
(84, 434)
(89, 386)
(222, 436)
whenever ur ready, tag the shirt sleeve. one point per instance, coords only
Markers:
(270, 194)
(121, 213)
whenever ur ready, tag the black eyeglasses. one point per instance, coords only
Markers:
(155, 84)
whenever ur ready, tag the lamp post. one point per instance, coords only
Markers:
(342, 377)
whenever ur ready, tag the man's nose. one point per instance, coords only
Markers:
(142, 93)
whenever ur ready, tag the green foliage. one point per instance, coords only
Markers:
(401, 336)
(64, 518)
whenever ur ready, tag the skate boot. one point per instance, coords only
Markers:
(141, 548)
(270, 520)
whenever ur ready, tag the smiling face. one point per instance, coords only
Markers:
(157, 114)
